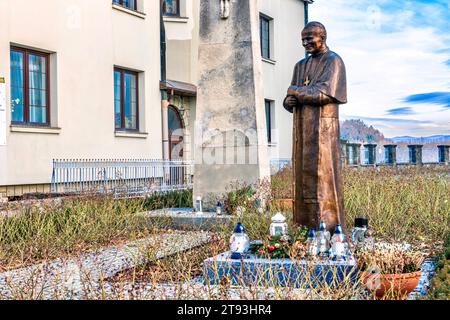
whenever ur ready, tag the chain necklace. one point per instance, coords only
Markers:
(307, 70)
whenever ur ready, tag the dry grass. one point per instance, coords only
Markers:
(402, 203)
(78, 225)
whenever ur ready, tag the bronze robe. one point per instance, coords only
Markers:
(318, 185)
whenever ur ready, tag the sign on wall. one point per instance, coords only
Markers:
(2, 112)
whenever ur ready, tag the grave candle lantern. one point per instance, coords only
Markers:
(278, 227)
(239, 242)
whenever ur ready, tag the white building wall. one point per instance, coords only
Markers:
(288, 21)
(88, 39)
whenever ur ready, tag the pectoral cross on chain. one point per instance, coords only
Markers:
(307, 81)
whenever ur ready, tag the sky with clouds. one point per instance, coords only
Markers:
(397, 55)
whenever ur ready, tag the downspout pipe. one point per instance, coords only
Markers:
(164, 96)
(163, 45)
(306, 11)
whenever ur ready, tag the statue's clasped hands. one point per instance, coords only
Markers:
(291, 99)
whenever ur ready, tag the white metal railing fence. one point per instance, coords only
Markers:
(277, 165)
(121, 176)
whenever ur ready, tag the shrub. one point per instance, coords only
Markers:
(440, 286)
(173, 199)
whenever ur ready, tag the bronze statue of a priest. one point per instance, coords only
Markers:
(318, 88)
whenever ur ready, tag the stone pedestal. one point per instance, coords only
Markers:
(254, 271)
(230, 128)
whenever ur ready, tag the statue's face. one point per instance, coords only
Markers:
(312, 40)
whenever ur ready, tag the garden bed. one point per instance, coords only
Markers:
(406, 205)
(38, 233)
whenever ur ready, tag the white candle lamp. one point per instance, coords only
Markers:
(199, 205)
(278, 227)
(239, 242)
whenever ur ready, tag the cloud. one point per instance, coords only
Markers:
(378, 41)
(439, 98)
(400, 111)
(443, 50)
(447, 62)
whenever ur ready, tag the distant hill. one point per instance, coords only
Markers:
(356, 131)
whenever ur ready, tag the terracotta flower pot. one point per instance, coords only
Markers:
(397, 285)
(282, 204)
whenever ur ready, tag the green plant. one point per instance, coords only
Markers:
(240, 196)
(282, 247)
(276, 247)
(173, 199)
(440, 286)
(299, 233)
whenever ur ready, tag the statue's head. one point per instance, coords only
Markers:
(314, 37)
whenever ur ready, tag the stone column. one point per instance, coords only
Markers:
(415, 154)
(354, 154)
(390, 154)
(370, 154)
(3, 194)
(444, 154)
(230, 128)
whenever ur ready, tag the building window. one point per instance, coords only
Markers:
(129, 4)
(268, 105)
(30, 87)
(126, 107)
(265, 23)
(442, 153)
(171, 8)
